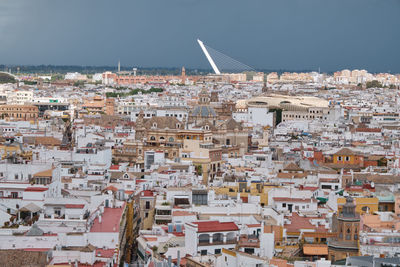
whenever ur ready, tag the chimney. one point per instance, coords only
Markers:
(178, 261)
(169, 261)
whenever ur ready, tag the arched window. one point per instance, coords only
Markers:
(204, 238)
(152, 138)
(171, 139)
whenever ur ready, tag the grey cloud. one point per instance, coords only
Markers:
(268, 34)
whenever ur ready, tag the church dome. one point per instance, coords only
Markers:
(204, 112)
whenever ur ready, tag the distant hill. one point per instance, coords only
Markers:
(47, 69)
(62, 69)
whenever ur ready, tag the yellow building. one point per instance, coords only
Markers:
(14, 152)
(347, 156)
(363, 204)
(241, 188)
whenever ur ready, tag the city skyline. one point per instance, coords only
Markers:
(276, 35)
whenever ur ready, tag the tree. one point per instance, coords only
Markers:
(382, 162)
(6, 78)
(374, 84)
(199, 169)
(79, 83)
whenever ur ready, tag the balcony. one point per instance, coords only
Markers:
(225, 238)
(249, 241)
(216, 243)
(163, 217)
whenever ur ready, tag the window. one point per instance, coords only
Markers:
(217, 251)
(57, 211)
(147, 205)
(339, 158)
(14, 194)
(283, 205)
(203, 252)
(347, 158)
(16, 176)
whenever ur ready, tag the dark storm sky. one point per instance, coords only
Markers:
(265, 34)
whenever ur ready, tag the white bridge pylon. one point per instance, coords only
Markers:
(221, 62)
(209, 58)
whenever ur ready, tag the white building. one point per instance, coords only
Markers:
(210, 237)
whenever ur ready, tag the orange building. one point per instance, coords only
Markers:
(110, 106)
(100, 105)
(113, 78)
(347, 156)
(19, 112)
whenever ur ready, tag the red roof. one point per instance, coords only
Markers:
(215, 226)
(182, 213)
(36, 249)
(254, 225)
(112, 188)
(146, 193)
(298, 222)
(105, 253)
(36, 189)
(109, 222)
(114, 167)
(74, 206)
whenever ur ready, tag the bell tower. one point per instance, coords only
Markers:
(183, 75)
(139, 130)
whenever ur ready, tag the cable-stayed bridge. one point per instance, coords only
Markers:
(221, 62)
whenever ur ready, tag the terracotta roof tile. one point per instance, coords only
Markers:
(215, 226)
